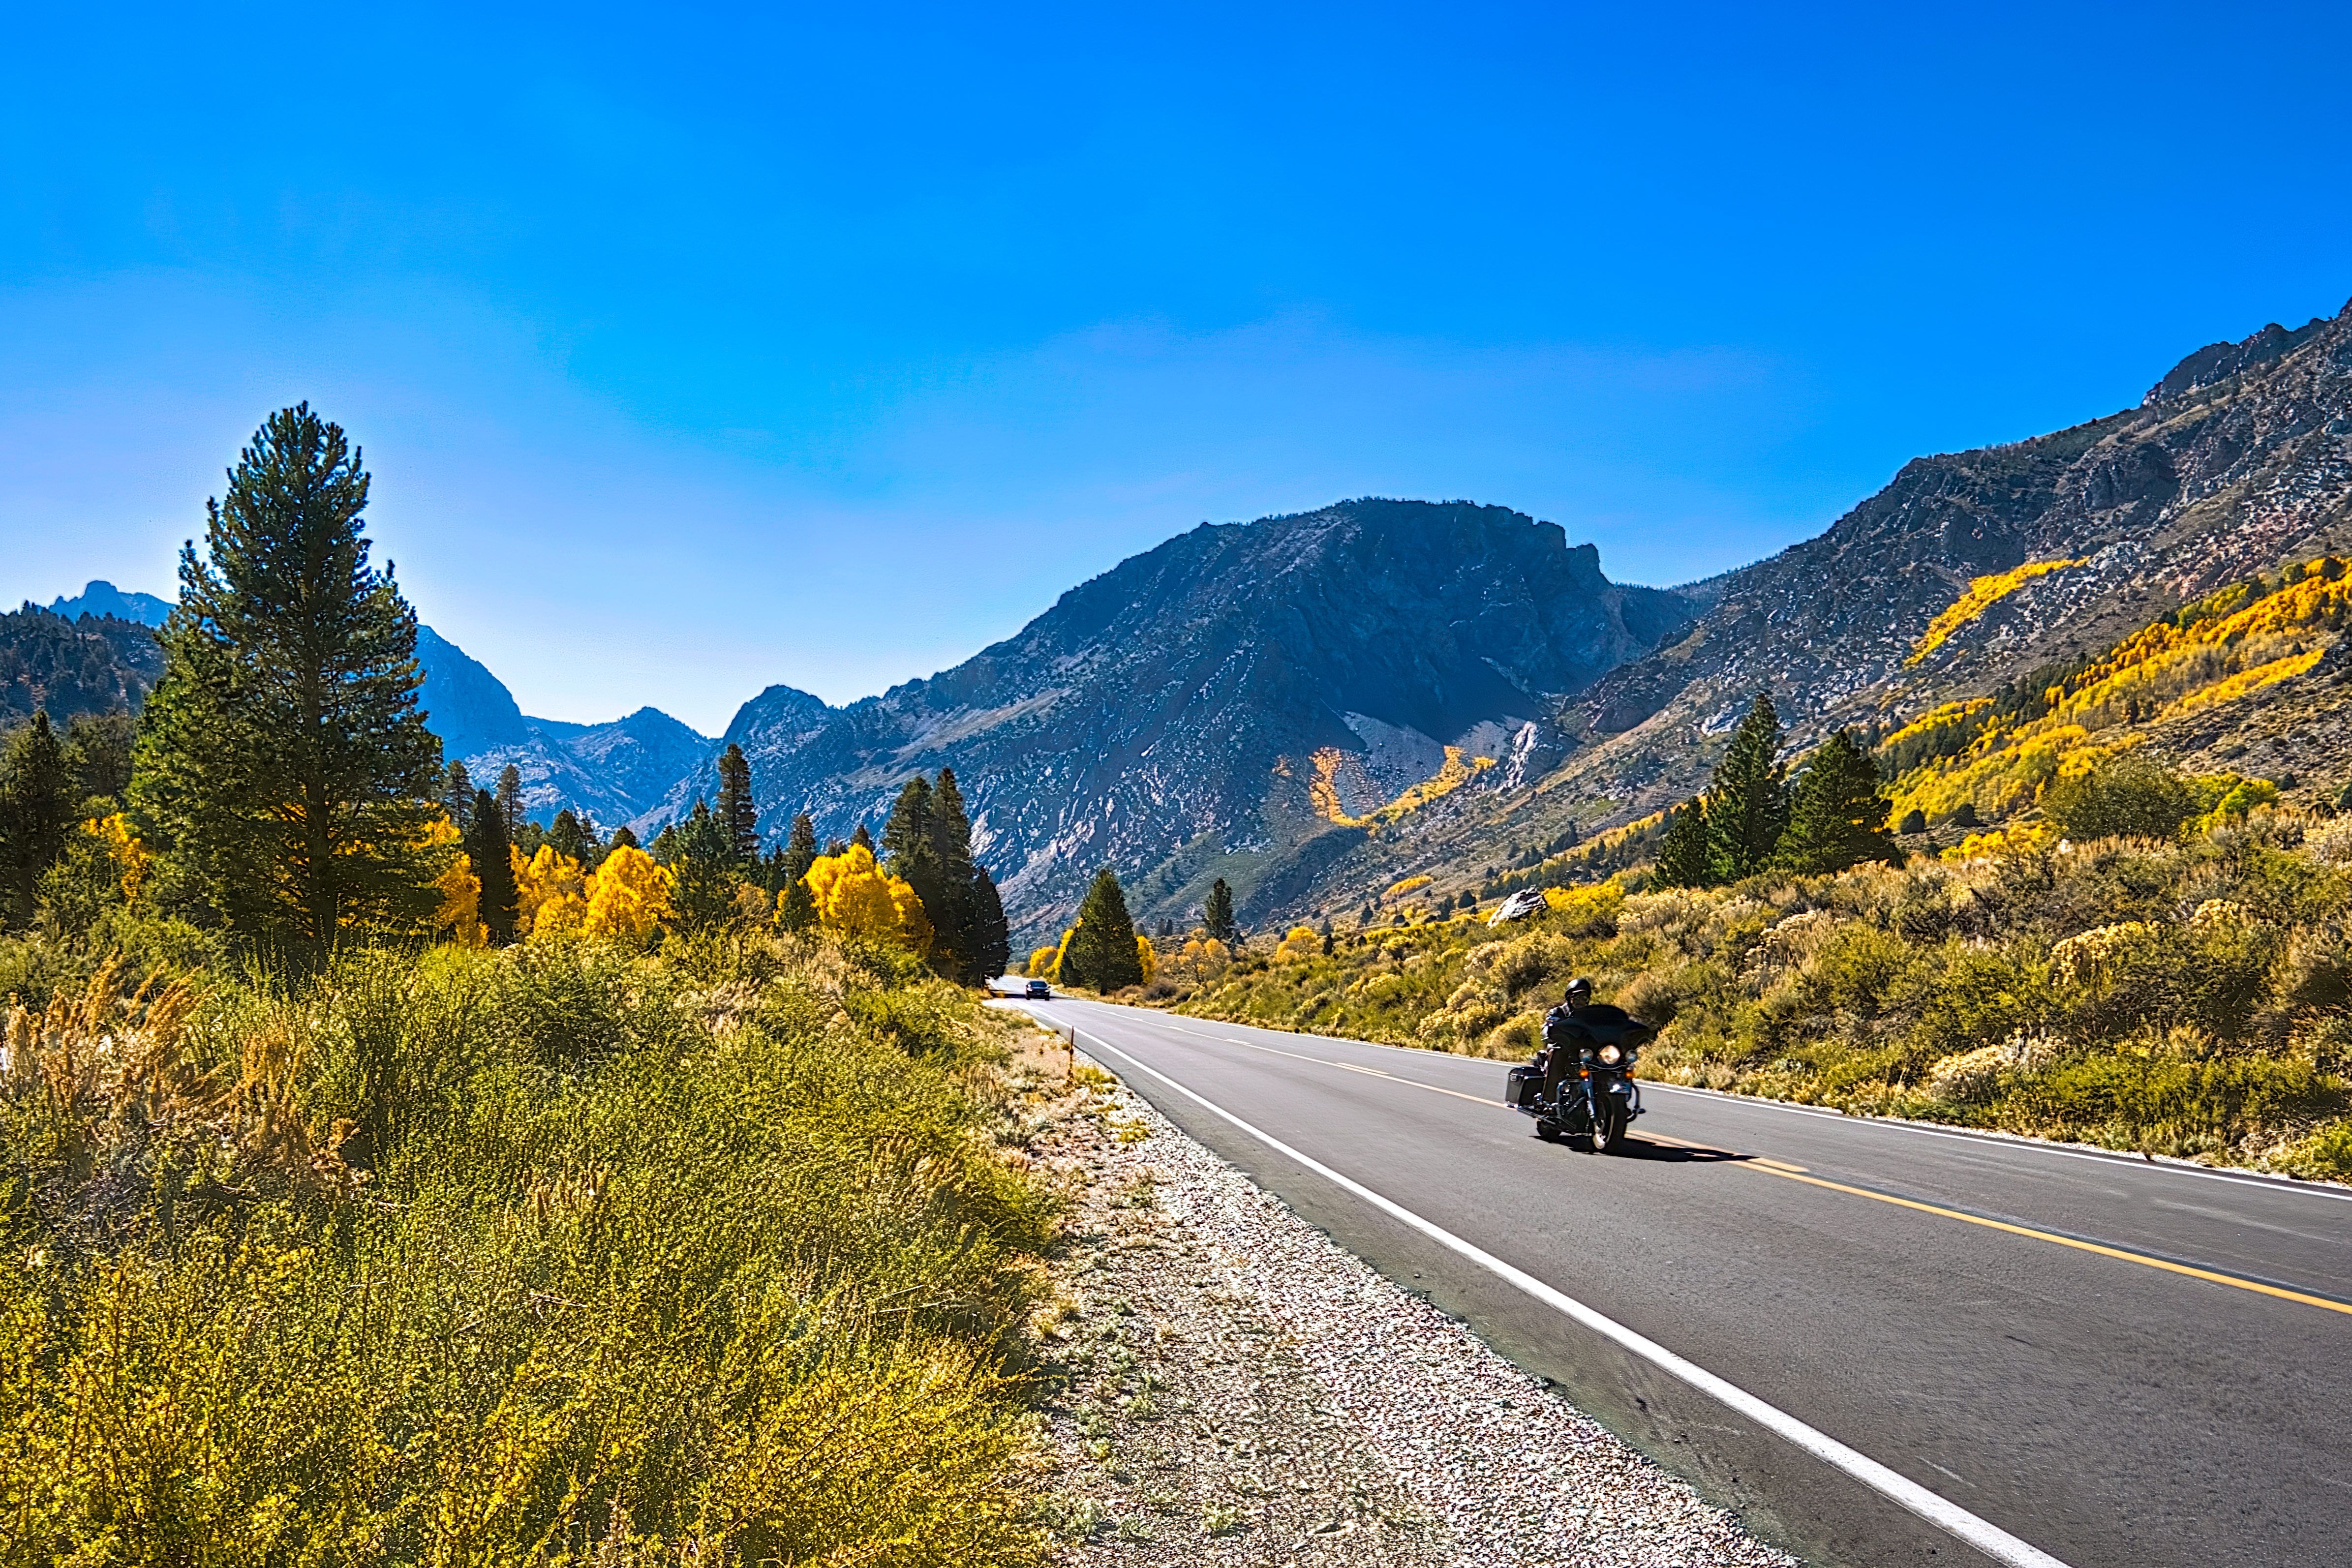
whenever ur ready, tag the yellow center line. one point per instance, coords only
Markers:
(2142, 1259)
(1798, 1173)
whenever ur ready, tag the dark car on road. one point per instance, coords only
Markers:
(1039, 991)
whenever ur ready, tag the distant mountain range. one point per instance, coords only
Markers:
(618, 772)
(1313, 707)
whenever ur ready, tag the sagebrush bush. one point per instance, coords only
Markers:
(2190, 995)
(545, 1256)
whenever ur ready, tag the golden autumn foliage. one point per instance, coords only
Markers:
(855, 897)
(1323, 789)
(1983, 594)
(1398, 888)
(1146, 956)
(2222, 649)
(460, 916)
(629, 896)
(1301, 942)
(1200, 958)
(130, 856)
(551, 893)
(1041, 962)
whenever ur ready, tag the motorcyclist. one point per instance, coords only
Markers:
(1567, 1031)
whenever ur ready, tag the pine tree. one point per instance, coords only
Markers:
(487, 851)
(1748, 803)
(1217, 912)
(958, 917)
(800, 847)
(458, 794)
(1682, 857)
(284, 766)
(37, 810)
(991, 935)
(1102, 953)
(510, 797)
(795, 905)
(861, 839)
(1837, 817)
(623, 839)
(738, 812)
(702, 859)
(567, 836)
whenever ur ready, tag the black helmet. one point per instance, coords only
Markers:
(1579, 990)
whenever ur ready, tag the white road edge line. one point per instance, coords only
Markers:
(1949, 1517)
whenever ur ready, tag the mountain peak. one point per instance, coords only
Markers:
(2219, 361)
(102, 598)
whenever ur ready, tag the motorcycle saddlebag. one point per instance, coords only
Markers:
(1526, 1083)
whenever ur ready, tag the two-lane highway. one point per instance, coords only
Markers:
(1882, 1344)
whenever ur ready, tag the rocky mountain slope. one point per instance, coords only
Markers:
(89, 663)
(615, 772)
(1241, 701)
(1968, 571)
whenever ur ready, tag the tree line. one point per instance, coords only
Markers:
(282, 787)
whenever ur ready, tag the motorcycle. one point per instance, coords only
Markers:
(1598, 1100)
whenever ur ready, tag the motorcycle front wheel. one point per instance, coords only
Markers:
(1608, 1127)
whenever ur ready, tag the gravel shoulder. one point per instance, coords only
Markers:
(1231, 1387)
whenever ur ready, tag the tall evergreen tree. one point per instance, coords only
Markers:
(486, 851)
(510, 797)
(1102, 953)
(458, 794)
(1748, 803)
(623, 837)
(991, 935)
(795, 905)
(283, 764)
(567, 835)
(1217, 912)
(861, 839)
(1837, 817)
(958, 919)
(738, 812)
(37, 801)
(1683, 859)
(702, 859)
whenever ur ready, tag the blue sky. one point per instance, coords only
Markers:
(696, 349)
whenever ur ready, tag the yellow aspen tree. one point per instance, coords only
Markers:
(856, 897)
(628, 898)
(1298, 943)
(1145, 956)
(1041, 962)
(459, 916)
(551, 893)
(123, 847)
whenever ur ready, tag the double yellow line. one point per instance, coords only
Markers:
(1798, 1173)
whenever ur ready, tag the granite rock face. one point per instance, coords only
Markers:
(2240, 461)
(614, 773)
(1164, 718)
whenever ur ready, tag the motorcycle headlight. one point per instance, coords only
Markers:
(1611, 1055)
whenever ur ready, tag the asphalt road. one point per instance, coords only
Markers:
(2113, 1362)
